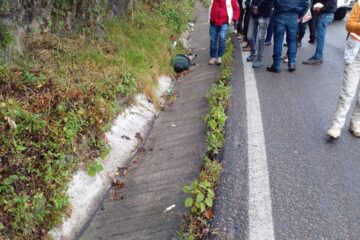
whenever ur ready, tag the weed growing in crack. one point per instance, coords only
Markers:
(202, 190)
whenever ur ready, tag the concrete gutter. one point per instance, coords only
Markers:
(85, 192)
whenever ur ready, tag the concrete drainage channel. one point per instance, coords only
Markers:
(86, 192)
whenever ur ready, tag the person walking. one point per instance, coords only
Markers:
(223, 13)
(287, 15)
(323, 11)
(259, 21)
(351, 79)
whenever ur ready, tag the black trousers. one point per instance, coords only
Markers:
(246, 20)
(240, 27)
(312, 27)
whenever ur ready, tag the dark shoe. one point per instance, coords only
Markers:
(272, 69)
(292, 67)
(313, 61)
(311, 41)
(251, 57)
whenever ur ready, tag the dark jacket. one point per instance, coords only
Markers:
(264, 7)
(330, 6)
(291, 6)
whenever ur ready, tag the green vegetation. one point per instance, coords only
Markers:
(202, 190)
(206, 2)
(6, 37)
(58, 100)
(89, 13)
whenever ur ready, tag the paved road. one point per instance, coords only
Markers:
(313, 182)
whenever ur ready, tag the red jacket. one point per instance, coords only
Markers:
(218, 12)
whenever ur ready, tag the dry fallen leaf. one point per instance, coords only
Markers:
(208, 214)
(138, 136)
(11, 122)
(118, 184)
(125, 137)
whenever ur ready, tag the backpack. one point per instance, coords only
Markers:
(181, 63)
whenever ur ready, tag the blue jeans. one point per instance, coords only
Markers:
(285, 22)
(218, 40)
(257, 26)
(321, 23)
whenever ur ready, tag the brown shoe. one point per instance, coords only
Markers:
(246, 48)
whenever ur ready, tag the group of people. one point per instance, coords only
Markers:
(258, 20)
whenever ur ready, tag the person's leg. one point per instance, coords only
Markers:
(246, 21)
(291, 36)
(312, 28)
(222, 40)
(263, 24)
(355, 118)
(214, 35)
(270, 30)
(253, 25)
(279, 31)
(301, 31)
(240, 23)
(256, 33)
(347, 93)
(321, 24)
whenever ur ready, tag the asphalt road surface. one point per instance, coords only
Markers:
(283, 177)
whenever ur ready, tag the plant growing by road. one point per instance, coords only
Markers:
(202, 190)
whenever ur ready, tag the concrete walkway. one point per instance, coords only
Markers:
(171, 157)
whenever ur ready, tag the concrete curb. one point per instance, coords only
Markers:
(85, 192)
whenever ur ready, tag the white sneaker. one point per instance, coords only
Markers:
(285, 58)
(355, 133)
(218, 62)
(212, 61)
(334, 132)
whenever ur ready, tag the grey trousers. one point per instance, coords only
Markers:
(348, 91)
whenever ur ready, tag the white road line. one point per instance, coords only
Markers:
(260, 213)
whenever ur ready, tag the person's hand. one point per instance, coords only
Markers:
(318, 10)
(255, 10)
(317, 7)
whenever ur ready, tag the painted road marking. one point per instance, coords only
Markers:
(260, 214)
